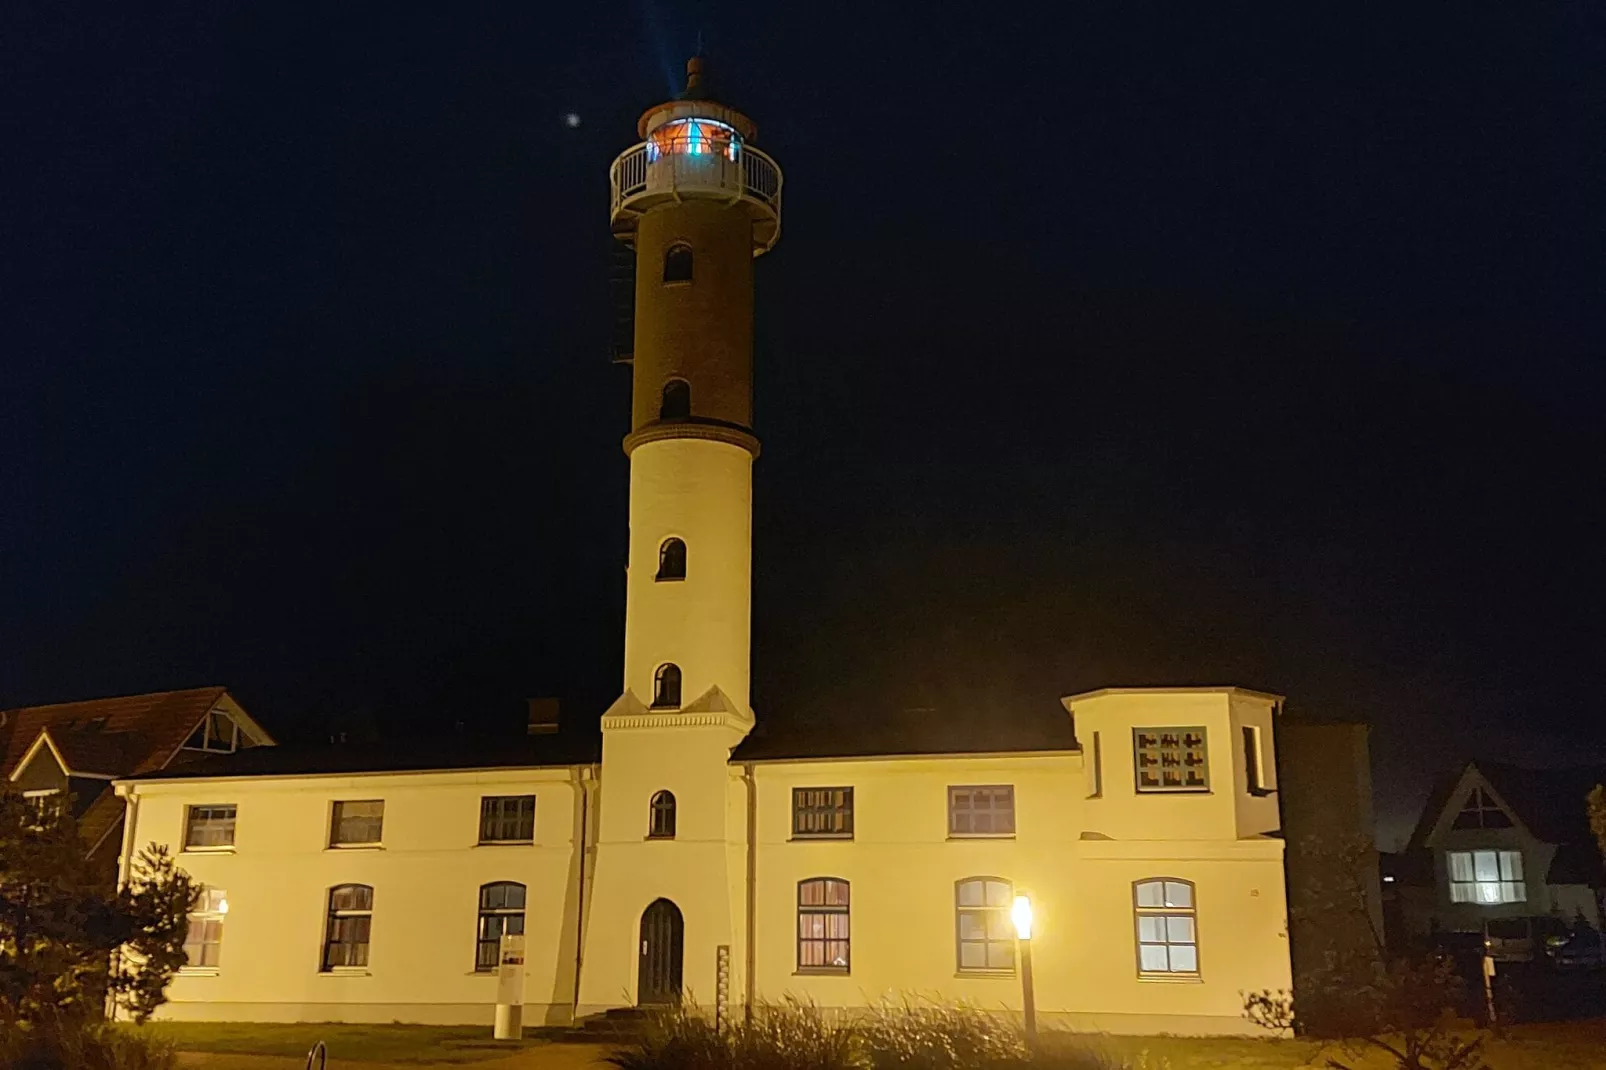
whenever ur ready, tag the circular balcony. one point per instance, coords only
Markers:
(664, 170)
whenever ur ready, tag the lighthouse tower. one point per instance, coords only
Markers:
(667, 914)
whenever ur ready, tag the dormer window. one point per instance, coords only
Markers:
(1170, 759)
(218, 734)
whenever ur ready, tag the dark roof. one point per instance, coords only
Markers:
(906, 733)
(113, 736)
(445, 752)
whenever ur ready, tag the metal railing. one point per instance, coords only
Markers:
(751, 174)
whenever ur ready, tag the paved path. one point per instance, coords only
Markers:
(542, 1057)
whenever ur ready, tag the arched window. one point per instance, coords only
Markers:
(666, 687)
(671, 560)
(677, 263)
(661, 816)
(986, 936)
(822, 925)
(1168, 935)
(676, 404)
(501, 911)
(345, 940)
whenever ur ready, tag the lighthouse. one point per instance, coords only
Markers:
(699, 203)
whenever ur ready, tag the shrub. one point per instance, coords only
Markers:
(81, 1045)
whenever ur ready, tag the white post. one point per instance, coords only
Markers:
(510, 988)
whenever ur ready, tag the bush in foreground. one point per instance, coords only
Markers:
(81, 1045)
(795, 1035)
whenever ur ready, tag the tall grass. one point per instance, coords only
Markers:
(76, 1045)
(795, 1035)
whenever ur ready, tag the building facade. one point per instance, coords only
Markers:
(678, 857)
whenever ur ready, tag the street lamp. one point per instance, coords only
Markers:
(1021, 914)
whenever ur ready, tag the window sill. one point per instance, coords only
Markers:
(197, 971)
(1174, 791)
(506, 843)
(1261, 793)
(821, 971)
(355, 847)
(981, 835)
(670, 284)
(1172, 978)
(658, 839)
(669, 579)
(220, 850)
(984, 975)
(346, 971)
(804, 837)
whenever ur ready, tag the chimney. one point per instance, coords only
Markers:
(543, 716)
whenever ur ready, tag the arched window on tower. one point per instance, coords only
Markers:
(661, 816)
(677, 401)
(671, 560)
(677, 263)
(666, 687)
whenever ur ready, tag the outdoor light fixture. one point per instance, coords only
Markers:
(1021, 914)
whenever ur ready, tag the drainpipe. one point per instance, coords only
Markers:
(581, 775)
(752, 886)
(124, 866)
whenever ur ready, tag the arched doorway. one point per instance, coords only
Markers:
(662, 944)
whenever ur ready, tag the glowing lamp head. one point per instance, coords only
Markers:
(1021, 914)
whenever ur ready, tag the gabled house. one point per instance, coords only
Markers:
(79, 748)
(1498, 841)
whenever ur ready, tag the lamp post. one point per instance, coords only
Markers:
(1021, 914)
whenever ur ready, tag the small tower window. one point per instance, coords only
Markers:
(661, 818)
(666, 687)
(671, 560)
(676, 404)
(677, 263)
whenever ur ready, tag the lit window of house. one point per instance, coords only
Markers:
(985, 933)
(822, 925)
(357, 824)
(1168, 936)
(501, 911)
(823, 813)
(981, 811)
(507, 819)
(1487, 877)
(351, 914)
(204, 944)
(209, 826)
(1170, 759)
(1481, 812)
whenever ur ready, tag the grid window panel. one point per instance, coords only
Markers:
(507, 819)
(985, 932)
(501, 911)
(347, 927)
(1170, 759)
(203, 944)
(357, 822)
(824, 812)
(661, 816)
(1488, 878)
(1167, 927)
(823, 943)
(981, 811)
(210, 826)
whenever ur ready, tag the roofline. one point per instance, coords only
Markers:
(1209, 690)
(1057, 752)
(45, 738)
(230, 710)
(110, 698)
(123, 783)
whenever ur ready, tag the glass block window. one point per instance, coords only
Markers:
(981, 811)
(986, 935)
(822, 926)
(1170, 759)
(1481, 812)
(351, 912)
(209, 826)
(1168, 936)
(501, 911)
(507, 819)
(822, 812)
(1487, 877)
(203, 945)
(357, 822)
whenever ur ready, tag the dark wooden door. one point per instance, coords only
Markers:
(662, 940)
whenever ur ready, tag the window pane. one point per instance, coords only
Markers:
(1151, 894)
(1153, 959)
(999, 926)
(1179, 930)
(351, 897)
(1460, 866)
(1184, 959)
(1151, 930)
(1485, 866)
(999, 894)
(972, 956)
(1001, 956)
(1461, 892)
(1511, 865)
(970, 894)
(1178, 894)
(972, 925)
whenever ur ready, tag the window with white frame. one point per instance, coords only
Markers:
(217, 733)
(987, 810)
(357, 823)
(822, 926)
(1481, 812)
(203, 945)
(349, 924)
(1168, 933)
(209, 826)
(1486, 877)
(985, 934)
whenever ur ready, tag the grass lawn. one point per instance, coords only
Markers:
(422, 1044)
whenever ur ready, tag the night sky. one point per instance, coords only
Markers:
(1106, 344)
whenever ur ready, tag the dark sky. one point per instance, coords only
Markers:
(1106, 344)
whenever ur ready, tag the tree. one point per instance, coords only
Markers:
(61, 920)
(1597, 815)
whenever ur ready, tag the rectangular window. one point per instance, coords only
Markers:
(824, 813)
(1168, 937)
(501, 911)
(359, 823)
(822, 926)
(1487, 877)
(507, 819)
(981, 811)
(1254, 771)
(209, 826)
(1095, 768)
(204, 944)
(986, 935)
(1170, 759)
(349, 923)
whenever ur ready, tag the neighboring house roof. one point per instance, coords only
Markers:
(109, 736)
(446, 752)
